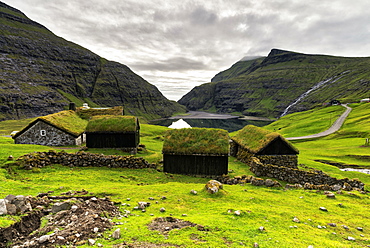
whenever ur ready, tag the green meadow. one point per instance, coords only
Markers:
(270, 208)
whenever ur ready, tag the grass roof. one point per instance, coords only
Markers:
(88, 113)
(255, 138)
(66, 120)
(189, 141)
(112, 123)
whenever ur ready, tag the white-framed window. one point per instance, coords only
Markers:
(43, 132)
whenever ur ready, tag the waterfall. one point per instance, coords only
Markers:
(315, 87)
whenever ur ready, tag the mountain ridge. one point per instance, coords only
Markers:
(266, 86)
(41, 73)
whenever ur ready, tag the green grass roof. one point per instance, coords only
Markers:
(88, 113)
(189, 141)
(255, 138)
(112, 123)
(67, 121)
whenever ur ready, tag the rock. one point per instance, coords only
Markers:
(261, 228)
(11, 208)
(237, 212)
(269, 183)
(336, 187)
(295, 219)
(351, 238)
(163, 198)
(162, 210)
(60, 206)
(91, 242)
(193, 192)
(213, 186)
(116, 234)
(332, 224)
(3, 209)
(323, 209)
(360, 229)
(331, 195)
(96, 229)
(257, 181)
(44, 239)
(143, 205)
(255, 245)
(10, 158)
(10, 198)
(345, 227)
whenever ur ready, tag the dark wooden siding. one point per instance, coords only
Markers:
(112, 140)
(195, 165)
(277, 147)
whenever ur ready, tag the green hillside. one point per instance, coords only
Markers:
(269, 217)
(267, 86)
(41, 73)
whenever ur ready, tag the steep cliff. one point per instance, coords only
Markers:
(268, 86)
(41, 73)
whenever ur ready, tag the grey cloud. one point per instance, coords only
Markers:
(171, 64)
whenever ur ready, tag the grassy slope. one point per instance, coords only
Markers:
(272, 208)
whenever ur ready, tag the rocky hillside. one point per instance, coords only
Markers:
(41, 73)
(283, 82)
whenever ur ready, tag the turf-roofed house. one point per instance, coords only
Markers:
(113, 131)
(196, 151)
(268, 147)
(59, 129)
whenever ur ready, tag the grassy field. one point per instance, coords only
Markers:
(273, 209)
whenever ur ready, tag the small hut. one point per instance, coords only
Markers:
(268, 147)
(60, 129)
(196, 151)
(113, 131)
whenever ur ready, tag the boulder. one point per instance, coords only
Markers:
(60, 206)
(3, 209)
(213, 186)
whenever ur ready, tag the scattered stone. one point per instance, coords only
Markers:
(3, 209)
(295, 219)
(96, 229)
(331, 195)
(128, 199)
(184, 215)
(255, 244)
(151, 198)
(44, 239)
(162, 210)
(193, 192)
(10, 158)
(60, 206)
(213, 186)
(74, 208)
(91, 242)
(336, 187)
(320, 227)
(261, 228)
(323, 209)
(116, 234)
(310, 246)
(99, 245)
(143, 205)
(332, 224)
(345, 227)
(164, 198)
(360, 229)
(237, 212)
(269, 183)
(351, 238)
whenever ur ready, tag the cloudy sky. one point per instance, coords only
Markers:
(177, 45)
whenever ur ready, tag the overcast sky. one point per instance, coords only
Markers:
(177, 45)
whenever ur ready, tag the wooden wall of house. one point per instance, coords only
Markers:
(112, 140)
(195, 165)
(42, 133)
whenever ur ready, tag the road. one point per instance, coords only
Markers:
(335, 127)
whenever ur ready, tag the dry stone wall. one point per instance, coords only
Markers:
(290, 161)
(81, 159)
(296, 176)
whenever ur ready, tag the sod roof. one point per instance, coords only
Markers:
(255, 138)
(112, 123)
(188, 141)
(88, 113)
(67, 121)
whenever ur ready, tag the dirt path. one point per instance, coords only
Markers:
(335, 127)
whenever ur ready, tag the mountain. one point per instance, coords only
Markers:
(281, 83)
(41, 73)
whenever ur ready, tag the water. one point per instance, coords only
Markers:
(366, 171)
(230, 125)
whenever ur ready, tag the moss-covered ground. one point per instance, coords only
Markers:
(271, 208)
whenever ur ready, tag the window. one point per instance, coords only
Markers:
(43, 132)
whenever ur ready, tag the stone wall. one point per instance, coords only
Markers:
(290, 161)
(81, 159)
(296, 176)
(51, 136)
